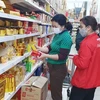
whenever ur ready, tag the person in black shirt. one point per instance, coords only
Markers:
(79, 39)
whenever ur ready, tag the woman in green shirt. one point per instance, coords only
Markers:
(57, 53)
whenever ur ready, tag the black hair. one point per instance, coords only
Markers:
(99, 26)
(69, 26)
(61, 20)
(90, 21)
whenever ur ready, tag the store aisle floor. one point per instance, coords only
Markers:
(64, 92)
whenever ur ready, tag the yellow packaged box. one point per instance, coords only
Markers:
(2, 88)
(9, 31)
(35, 88)
(2, 32)
(11, 12)
(21, 31)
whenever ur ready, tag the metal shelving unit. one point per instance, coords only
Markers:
(30, 6)
(6, 66)
(14, 37)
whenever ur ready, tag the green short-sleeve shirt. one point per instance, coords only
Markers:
(62, 40)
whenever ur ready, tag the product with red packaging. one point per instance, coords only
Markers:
(36, 53)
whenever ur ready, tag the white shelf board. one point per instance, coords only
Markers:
(41, 36)
(44, 35)
(9, 16)
(46, 24)
(30, 4)
(13, 17)
(52, 33)
(8, 96)
(14, 37)
(6, 66)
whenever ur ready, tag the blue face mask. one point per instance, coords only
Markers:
(83, 32)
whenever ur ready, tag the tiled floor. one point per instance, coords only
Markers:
(96, 97)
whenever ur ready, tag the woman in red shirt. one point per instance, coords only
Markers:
(87, 74)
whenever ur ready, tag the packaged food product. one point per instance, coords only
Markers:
(8, 31)
(2, 87)
(35, 53)
(21, 31)
(8, 23)
(2, 32)
(2, 22)
(4, 59)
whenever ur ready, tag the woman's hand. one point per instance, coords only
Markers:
(42, 49)
(38, 48)
(43, 56)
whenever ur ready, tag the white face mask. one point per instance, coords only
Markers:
(83, 32)
(57, 30)
(97, 31)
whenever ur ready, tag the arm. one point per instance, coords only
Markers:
(54, 57)
(63, 52)
(61, 56)
(82, 60)
(43, 49)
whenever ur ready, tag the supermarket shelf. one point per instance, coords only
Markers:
(9, 16)
(44, 35)
(14, 37)
(30, 5)
(8, 96)
(46, 24)
(13, 17)
(27, 35)
(50, 33)
(41, 36)
(51, 6)
(6, 66)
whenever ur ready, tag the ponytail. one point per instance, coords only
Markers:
(69, 26)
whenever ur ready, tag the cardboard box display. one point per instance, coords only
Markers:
(35, 88)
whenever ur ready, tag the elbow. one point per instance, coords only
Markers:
(61, 57)
(81, 65)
